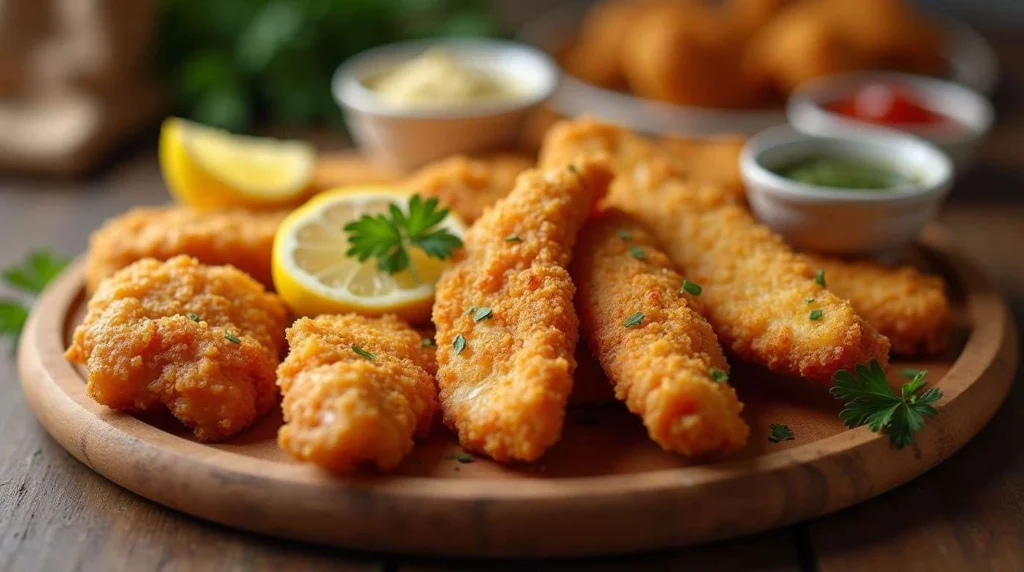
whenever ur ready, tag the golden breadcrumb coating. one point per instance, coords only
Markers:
(660, 367)
(469, 185)
(907, 306)
(505, 392)
(342, 168)
(758, 294)
(708, 161)
(202, 341)
(342, 409)
(243, 239)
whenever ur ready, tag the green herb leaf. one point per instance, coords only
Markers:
(869, 400)
(459, 344)
(691, 288)
(37, 270)
(363, 353)
(808, 301)
(388, 238)
(461, 457)
(471, 309)
(819, 277)
(482, 313)
(637, 252)
(427, 343)
(513, 238)
(573, 170)
(232, 338)
(12, 318)
(194, 317)
(779, 432)
(910, 373)
(815, 314)
(625, 235)
(718, 375)
(634, 320)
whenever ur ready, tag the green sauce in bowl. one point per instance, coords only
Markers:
(839, 173)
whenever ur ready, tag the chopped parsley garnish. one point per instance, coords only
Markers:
(427, 343)
(637, 252)
(815, 314)
(573, 170)
(482, 313)
(363, 353)
(808, 301)
(388, 238)
(625, 235)
(718, 375)
(461, 457)
(819, 277)
(232, 338)
(459, 344)
(31, 277)
(691, 288)
(910, 373)
(869, 400)
(194, 317)
(513, 238)
(634, 320)
(471, 309)
(779, 432)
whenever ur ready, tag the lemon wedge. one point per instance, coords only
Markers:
(209, 168)
(313, 275)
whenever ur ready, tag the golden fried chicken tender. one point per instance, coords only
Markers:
(356, 390)
(662, 365)
(756, 289)
(506, 328)
(907, 306)
(603, 35)
(238, 237)
(202, 341)
(708, 161)
(469, 185)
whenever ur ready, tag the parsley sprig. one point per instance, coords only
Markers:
(31, 276)
(389, 237)
(871, 401)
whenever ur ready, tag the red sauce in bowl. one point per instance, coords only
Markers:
(887, 105)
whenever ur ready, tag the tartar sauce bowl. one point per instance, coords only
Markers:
(406, 136)
(841, 221)
(971, 111)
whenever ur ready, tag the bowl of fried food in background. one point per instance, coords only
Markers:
(697, 68)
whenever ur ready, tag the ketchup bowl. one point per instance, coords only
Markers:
(948, 115)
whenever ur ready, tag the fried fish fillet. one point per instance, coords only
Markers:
(506, 328)
(238, 237)
(907, 306)
(203, 341)
(468, 185)
(356, 390)
(661, 365)
(761, 298)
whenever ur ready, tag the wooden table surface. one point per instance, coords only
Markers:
(967, 514)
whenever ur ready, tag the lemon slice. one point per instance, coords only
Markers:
(314, 276)
(209, 168)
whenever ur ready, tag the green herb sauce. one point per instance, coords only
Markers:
(840, 173)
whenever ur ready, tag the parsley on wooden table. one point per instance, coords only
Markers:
(31, 277)
(388, 238)
(871, 401)
(779, 432)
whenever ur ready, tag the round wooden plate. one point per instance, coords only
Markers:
(604, 488)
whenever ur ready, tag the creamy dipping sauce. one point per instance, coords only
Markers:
(841, 173)
(438, 79)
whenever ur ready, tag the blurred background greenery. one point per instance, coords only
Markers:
(233, 63)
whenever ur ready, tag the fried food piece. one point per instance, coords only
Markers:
(660, 367)
(505, 369)
(238, 237)
(342, 168)
(469, 185)
(755, 287)
(746, 17)
(202, 341)
(907, 306)
(343, 409)
(708, 161)
(604, 32)
(890, 32)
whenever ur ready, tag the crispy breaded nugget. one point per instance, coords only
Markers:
(604, 32)
(241, 238)
(201, 340)
(469, 185)
(906, 305)
(660, 366)
(755, 287)
(505, 367)
(344, 407)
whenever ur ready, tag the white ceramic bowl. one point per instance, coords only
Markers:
(407, 137)
(968, 108)
(842, 221)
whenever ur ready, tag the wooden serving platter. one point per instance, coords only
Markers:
(604, 488)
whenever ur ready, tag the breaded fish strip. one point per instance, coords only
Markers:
(201, 340)
(356, 390)
(238, 237)
(662, 366)
(506, 328)
(761, 298)
(469, 185)
(907, 306)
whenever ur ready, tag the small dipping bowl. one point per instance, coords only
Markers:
(842, 221)
(407, 136)
(969, 113)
